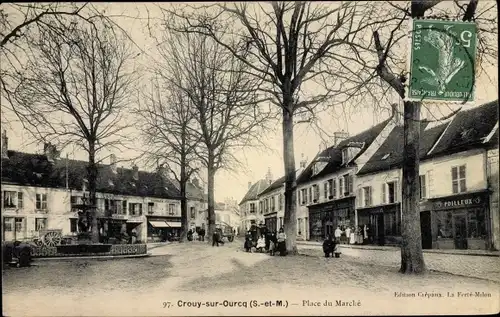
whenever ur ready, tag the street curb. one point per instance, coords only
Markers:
(104, 257)
(429, 270)
(305, 246)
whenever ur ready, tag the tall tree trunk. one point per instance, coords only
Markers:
(211, 197)
(412, 259)
(290, 217)
(92, 178)
(184, 216)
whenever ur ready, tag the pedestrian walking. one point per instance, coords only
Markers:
(215, 238)
(352, 236)
(282, 242)
(202, 234)
(348, 234)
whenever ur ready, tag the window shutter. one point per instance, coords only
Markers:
(370, 195)
(360, 197)
(429, 182)
(397, 191)
(384, 199)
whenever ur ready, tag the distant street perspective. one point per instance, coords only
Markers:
(250, 158)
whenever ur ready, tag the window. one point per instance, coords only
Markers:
(20, 201)
(7, 224)
(260, 207)
(124, 207)
(106, 204)
(273, 203)
(19, 224)
(280, 201)
(193, 213)
(476, 224)
(392, 224)
(41, 201)
(341, 187)
(348, 184)
(151, 207)
(310, 199)
(345, 155)
(266, 205)
(458, 179)
(391, 192)
(423, 187)
(73, 227)
(171, 209)
(304, 196)
(333, 187)
(40, 224)
(9, 199)
(281, 222)
(444, 224)
(252, 208)
(135, 209)
(316, 192)
(367, 196)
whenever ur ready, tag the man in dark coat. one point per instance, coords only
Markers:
(328, 246)
(215, 238)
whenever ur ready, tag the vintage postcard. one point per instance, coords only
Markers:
(250, 158)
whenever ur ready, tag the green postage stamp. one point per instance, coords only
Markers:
(443, 61)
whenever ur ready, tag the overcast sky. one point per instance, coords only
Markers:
(257, 162)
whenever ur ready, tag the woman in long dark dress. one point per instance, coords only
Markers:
(282, 242)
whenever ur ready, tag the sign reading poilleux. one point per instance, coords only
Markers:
(443, 61)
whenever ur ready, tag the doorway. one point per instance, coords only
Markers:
(460, 231)
(425, 228)
(377, 223)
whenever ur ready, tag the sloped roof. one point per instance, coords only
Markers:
(390, 153)
(468, 129)
(35, 170)
(254, 191)
(335, 153)
(279, 183)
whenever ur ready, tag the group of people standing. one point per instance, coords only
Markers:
(196, 235)
(351, 235)
(268, 241)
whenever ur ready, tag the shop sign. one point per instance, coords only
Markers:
(455, 202)
(119, 216)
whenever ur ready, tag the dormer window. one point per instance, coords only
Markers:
(386, 156)
(318, 167)
(345, 155)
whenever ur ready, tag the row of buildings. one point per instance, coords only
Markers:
(44, 192)
(357, 182)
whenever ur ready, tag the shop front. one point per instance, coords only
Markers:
(326, 217)
(383, 224)
(458, 221)
(271, 221)
(162, 229)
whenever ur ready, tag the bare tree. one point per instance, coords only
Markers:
(288, 46)
(224, 101)
(169, 132)
(74, 89)
(386, 66)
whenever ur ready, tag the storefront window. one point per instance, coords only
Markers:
(476, 224)
(444, 224)
(391, 224)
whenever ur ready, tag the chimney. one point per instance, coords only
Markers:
(112, 163)
(51, 152)
(397, 114)
(196, 182)
(303, 162)
(135, 172)
(339, 137)
(269, 176)
(249, 185)
(5, 145)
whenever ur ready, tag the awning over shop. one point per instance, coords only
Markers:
(173, 224)
(159, 224)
